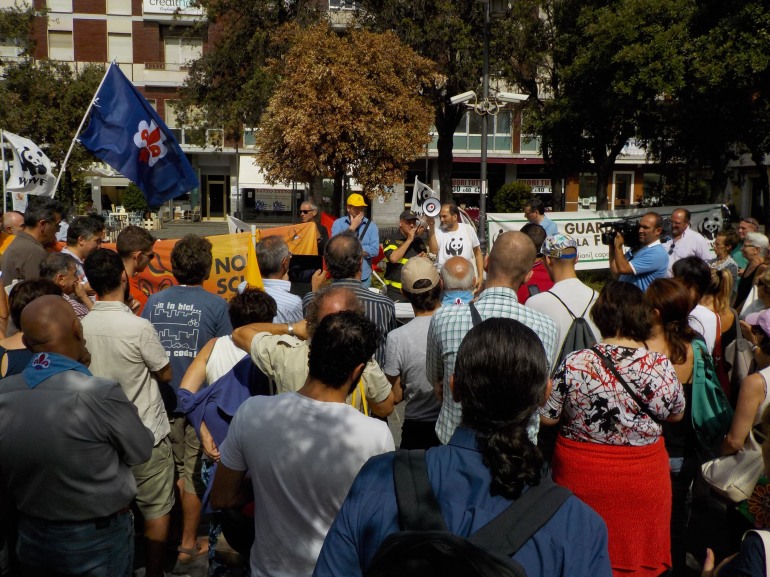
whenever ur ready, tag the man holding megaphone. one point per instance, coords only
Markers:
(455, 238)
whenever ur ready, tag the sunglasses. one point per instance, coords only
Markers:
(306, 211)
(671, 250)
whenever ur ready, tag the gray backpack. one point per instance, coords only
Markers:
(579, 336)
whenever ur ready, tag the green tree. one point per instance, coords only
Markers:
(512, 197)
(608, 66)
(345, 104)
(133, 199)
(448, 32)
(45, 101)
(16, 28)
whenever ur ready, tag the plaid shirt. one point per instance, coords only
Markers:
(450, 325)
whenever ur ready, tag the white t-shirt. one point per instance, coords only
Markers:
(576, 296)
(460, 242)
(704, 321)
(303, 455)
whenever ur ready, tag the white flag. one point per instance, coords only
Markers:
(31, 172)
(420, 193)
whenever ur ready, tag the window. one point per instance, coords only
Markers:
(468, 133)
(59, 5)
(180, 51)
(342, 5)
(249, 137)
(60, 46)
(119, 47)
(119, 7)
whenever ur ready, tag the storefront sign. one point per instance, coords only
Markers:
(466, 185)
(539, 185)
(170, 7)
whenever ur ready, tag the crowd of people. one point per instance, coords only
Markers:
(547, 422)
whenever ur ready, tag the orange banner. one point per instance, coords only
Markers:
(230, 258)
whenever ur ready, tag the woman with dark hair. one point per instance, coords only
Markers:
(610, 402)
(670, 303)
(14, 356)
(500, 378)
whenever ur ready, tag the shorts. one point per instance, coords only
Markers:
(187, 454)
(155, 482)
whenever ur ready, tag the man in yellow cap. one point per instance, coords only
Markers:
(364, 229)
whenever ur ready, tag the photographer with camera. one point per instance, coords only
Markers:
(646, 259)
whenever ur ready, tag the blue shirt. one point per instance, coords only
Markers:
(549, 226)
(649, 262)
(573, 542)
(370, 242)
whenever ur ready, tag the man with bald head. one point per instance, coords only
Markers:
(282, 354)
(508, 265)
(457, 280)
(67, 443)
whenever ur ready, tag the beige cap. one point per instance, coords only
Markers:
(416, 269)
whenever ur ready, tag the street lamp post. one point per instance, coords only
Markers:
(486, 108)
(484, 134)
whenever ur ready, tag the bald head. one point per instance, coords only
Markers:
(510, 259)
(329, 300)
(457, 274)
(49, 325)
(13, 221)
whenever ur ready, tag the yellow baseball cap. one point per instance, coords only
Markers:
(356, 200)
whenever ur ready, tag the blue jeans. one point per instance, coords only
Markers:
(96, 548)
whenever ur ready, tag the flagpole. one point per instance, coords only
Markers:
(82, 122)
(5, 190)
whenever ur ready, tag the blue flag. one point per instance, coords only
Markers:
(126, 133)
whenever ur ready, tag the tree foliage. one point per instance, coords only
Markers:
(448, 32)
(230, 84)
(45, 101)
(16, 27)
(345, 104)
(512, 197)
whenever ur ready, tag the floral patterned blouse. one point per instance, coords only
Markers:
(595, 408)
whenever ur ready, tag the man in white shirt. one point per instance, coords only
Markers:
(303, 450)
(568, 294)
(273, 257)
(685, 241)
(455, 238)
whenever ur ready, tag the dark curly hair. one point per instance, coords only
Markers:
(500, 376)
(191, 260)
(253, 305)
(25, 292)
(342, 341)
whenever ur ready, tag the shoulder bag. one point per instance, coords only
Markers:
(735, 476)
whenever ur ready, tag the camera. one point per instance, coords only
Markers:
(627, 227)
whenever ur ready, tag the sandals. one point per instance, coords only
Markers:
(200, 550)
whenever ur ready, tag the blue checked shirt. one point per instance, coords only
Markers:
(450, 325)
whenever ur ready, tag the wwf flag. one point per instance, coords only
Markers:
(31, 171)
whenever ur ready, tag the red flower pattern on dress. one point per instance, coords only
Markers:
(759, 506)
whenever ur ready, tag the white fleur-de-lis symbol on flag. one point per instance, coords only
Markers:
(151, 141)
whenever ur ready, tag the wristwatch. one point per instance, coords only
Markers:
(290, 329)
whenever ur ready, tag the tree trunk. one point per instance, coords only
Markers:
(447, 119)
(337, 201)
(758, 156)
(603, 171)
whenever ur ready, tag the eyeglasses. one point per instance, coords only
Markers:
(306, 211)
(671, 250)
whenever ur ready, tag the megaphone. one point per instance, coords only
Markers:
(431, 207)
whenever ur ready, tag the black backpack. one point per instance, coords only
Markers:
(424, 547)
(579, 336)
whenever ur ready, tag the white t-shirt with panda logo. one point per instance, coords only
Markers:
(460, 242)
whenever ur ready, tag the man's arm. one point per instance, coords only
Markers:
(230, 488)
(242, 336)
(618, 262)
(132, 440)
(379, 393)
(195, 375)
(434, 363)
(432, 240)
(479, 268)
(398, 390)
(165, 374)
(371, 241)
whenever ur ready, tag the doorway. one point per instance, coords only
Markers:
(622, 190)
(215, 203)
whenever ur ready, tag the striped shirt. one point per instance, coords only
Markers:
(289, 305)
(450, 325)
(377, 307)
